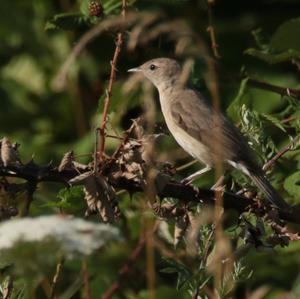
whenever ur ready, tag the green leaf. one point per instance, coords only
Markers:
(169, 270)
(69, 197)
(183, 273)
(234, 108)
(84, 7)
(72, 289)
(260, 39)
(287, 37)
(276, 122)
(274, 58)
(292, 184)
(284, 44)
(68, 21)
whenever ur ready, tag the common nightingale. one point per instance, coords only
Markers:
(200, 129)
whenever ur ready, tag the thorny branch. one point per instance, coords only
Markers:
(185, 193)
(113, 71)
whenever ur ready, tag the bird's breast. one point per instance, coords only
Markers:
(191, 145)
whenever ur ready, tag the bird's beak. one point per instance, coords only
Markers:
(136, 69)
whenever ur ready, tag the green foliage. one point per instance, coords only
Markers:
(234, 108)
(69, 21)
(274, 58)
(286, 37)
(184, 275)
(284, 44)
(47, 123)
(292, 184)
(70, 199)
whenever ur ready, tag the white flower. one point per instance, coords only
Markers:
(74, 235)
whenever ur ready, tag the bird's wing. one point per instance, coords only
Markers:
(196, 117)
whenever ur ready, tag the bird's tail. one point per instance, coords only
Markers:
(264, 185)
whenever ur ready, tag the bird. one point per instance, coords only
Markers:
(203, 131)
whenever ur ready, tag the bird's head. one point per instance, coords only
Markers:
(161, 72)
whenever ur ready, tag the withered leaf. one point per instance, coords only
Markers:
(100, 198)
(81, 178)
(66, 161)
(9, 154)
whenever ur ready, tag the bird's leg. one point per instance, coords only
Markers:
(218, 185)
(196, 175)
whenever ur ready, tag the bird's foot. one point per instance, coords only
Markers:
(218, 186)
(188, 180)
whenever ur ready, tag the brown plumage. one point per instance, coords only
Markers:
(203, 132)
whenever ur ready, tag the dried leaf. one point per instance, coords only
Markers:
(100, 198)
(67, 161)
(80, 179)
(9, 153)
(138, 128)
(80, 166)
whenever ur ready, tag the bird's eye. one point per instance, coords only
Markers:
(152, 67)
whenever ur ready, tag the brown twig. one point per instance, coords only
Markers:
(210, 29)
(283, 91)
(98, 137)
(56, 277)
(87, 293)
(290, 119)
(125, 269)
(270, 163)
(113, 72)
(283, 231)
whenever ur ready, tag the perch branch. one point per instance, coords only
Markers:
(185, 193)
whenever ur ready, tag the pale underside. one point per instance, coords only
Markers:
(204, 134)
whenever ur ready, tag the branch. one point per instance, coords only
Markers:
(270, 163)
(56, 277)
(283, 91)
(185, 193)
(125, 269)
(113, 70)
(210, 29)
(87, 293)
